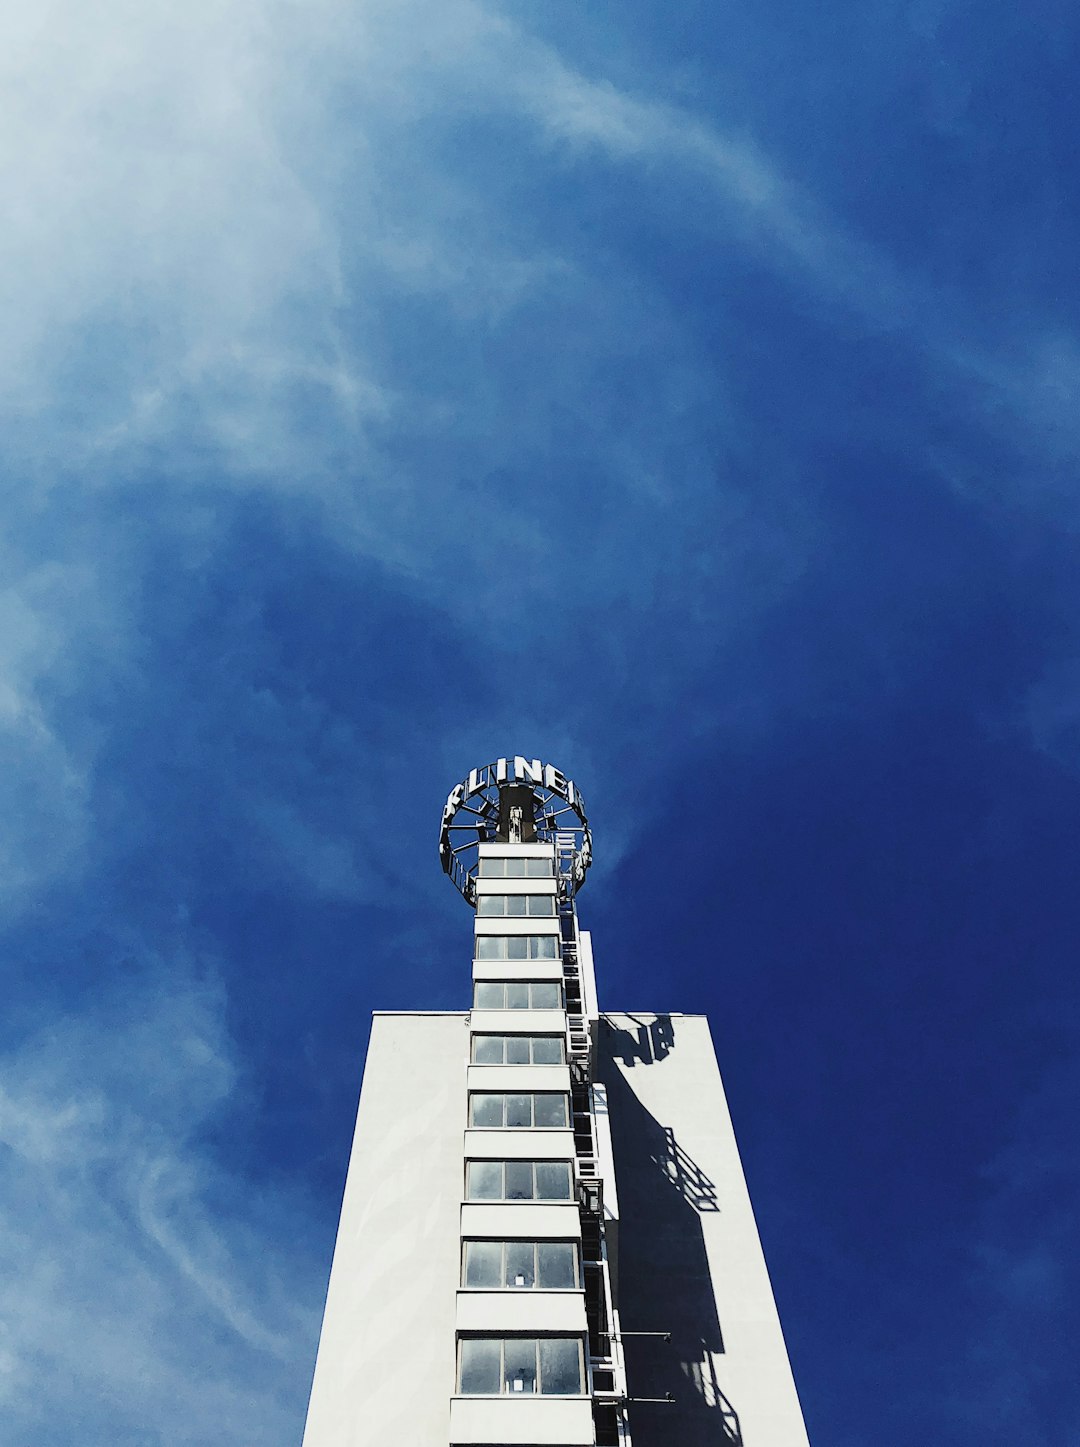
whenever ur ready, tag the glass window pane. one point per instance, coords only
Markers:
(553, 1180)
(560, 1367)
(487, 947)
(519, 1371)
(549, 1110)
(519, 1110)
(547, 1050)
(488, 904)
(539, 869)
(480, 1366)
(486, 1111)
(487, 1050)
(485, 1181)
(488, 995)
(517, 997)
(519, 1181)
(545, 996)
(517, 947)
(520, 1264)
(517, 1050)
(557, 1265)
(516, 904)
(544, 947)
(515, 868)
(483, 1264)
(541, 904)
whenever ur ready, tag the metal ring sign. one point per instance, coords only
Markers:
(471, 814)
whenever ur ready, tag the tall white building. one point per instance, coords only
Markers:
(546, 1236)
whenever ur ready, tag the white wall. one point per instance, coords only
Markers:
(690, 1259)
(385, 1368)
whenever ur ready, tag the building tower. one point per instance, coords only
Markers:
(546, 1236)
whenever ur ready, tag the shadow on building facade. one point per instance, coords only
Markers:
(664, 1280)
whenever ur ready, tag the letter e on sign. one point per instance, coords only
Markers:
(554, 781)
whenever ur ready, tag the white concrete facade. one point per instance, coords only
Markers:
(385, 1367)
(690, 1259)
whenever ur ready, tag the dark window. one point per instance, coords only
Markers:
(517, 995)
(488, 1049)
(520, 1366)
(490, 1110)
(547, 1049)
(518, 1181)
(483, 1264)
(481, 1366)
(517, 947)
(556, 1266)
(518, 1050)
(517, 1265)
(560, 1366)
(515, 906)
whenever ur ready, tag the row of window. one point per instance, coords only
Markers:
(516, 868)
(490, 1111)
(518, 1050)
(492, 1366)
(518, 1181)
(517, 1265)
(515, 904)
(517, 995)
(497, 1366)
(517, 947)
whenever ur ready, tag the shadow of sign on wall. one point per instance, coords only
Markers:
(665, 1284)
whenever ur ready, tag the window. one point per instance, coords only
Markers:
(518, 1181)
(492, 1366)
(517, 1111)
(518, 1050)
(515, 904)
(517, 947)
(514, 1265)
(516, 868)
(517, 995)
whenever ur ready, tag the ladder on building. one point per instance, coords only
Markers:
(579, 1054)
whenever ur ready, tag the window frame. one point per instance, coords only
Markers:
(505, 1096)
(484, 901)
(547, 984)
(575, 1249)
(519, 1342)
(532, 1040)
(503, 1199)
(533, 951)
(536, 866)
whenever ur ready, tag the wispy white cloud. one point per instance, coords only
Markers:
(147, 1295)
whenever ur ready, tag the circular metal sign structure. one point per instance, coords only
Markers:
(514, 800)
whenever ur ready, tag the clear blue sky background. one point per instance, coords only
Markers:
(685, 394)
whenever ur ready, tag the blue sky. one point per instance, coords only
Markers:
(687, 396)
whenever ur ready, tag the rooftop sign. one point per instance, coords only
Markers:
(471, 817)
